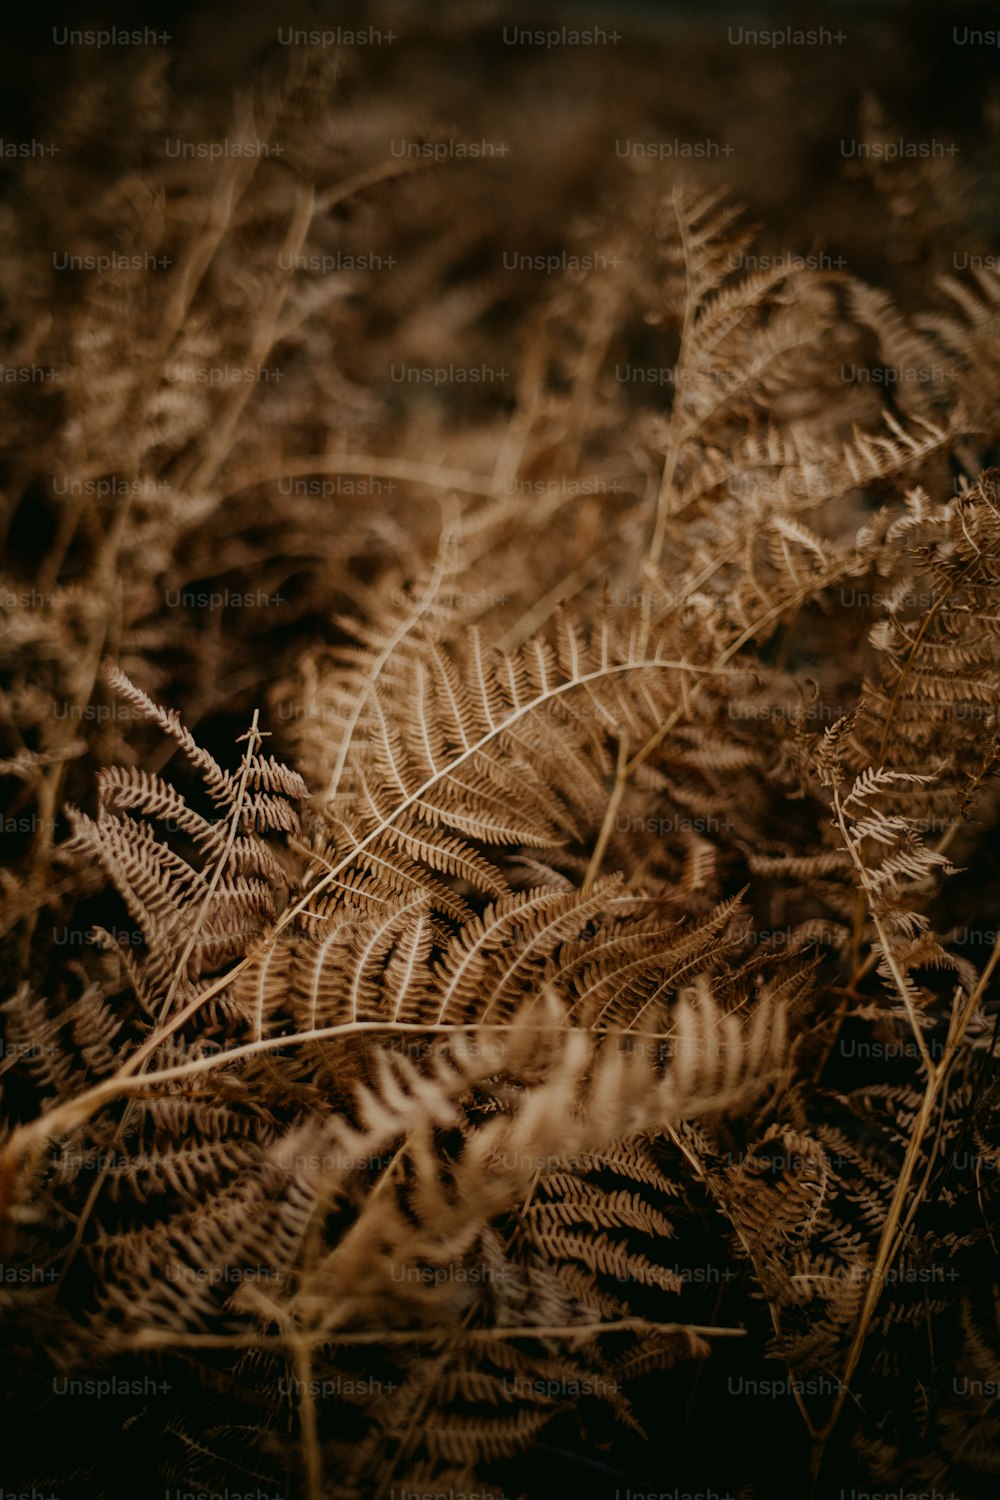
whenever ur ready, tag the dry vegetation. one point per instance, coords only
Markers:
(500, 914)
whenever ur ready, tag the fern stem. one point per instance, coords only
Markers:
(165, 1338)
(312, 1461)
(373, 466)
(617, 792)
(883, 936)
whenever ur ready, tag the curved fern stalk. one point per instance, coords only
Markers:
(519, 713)
(593, 674)
(132, 1078)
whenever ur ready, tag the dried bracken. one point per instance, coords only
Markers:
(590, 990)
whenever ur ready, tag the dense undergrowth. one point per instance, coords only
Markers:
(500, 720)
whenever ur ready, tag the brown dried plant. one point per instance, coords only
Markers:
(635, 770)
